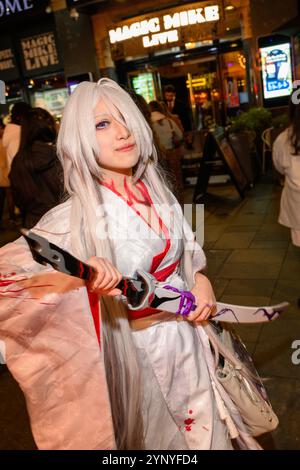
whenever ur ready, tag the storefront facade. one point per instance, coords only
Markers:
(196, 47)
(208, 50)
(30, 59)
(43, 50)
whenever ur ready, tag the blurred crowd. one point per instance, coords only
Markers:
(31, 179)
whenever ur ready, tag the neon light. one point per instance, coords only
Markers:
(166, 24)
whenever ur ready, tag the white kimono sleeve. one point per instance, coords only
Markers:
(52, 351)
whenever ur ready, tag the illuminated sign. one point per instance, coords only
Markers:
(8, 67)
(39, 51)
(9, 7)
(164, 30)
(6, 59)
(276, 71)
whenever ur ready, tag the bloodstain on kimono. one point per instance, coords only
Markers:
(188, 422)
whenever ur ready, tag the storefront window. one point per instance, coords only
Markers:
(233, 72)
(50, 93)
(143, 84)
(204, 94)
(52, 100)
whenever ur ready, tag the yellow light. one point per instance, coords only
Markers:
(190, 45)
(229, 7)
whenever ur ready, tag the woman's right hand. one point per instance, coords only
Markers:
(106, 277)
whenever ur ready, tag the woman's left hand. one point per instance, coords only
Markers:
(205, 299)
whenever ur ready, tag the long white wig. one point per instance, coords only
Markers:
(78, 151)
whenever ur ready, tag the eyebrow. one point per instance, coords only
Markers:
(101, 115)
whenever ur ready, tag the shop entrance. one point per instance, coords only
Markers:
(197, 85)
(212, 87)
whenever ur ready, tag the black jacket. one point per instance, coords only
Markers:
(36, 181)
(183, 113)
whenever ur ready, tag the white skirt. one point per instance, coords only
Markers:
(179, 408)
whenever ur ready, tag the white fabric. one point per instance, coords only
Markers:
(53, 352)
(170, 351)
(288, 165)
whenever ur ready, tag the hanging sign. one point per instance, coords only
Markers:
(39, 53)
(161, 30)
(166, 29)
(8, 67)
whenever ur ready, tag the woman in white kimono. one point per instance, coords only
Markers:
(94, 374)
(286, 158)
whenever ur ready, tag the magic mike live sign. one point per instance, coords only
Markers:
(162, 30)
(39, 53)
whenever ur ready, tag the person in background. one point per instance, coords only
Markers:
(168, 133)
(36, 174)
(4, 181)
(12, 133)
(97, 375)
(5, 190)
(177, 107)
(286, 158)
(174, 117)
(11, 143)
(170, 139)
(142, 105)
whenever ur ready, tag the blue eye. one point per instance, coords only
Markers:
(103, 124)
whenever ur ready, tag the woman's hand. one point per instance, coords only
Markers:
(205, 299)
(106, 277)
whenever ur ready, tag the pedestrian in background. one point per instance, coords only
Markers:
(168, 133)
(11, 143)
(36, 174)
(175, 106)
(286, 158)
(170, 139)
(4, 181)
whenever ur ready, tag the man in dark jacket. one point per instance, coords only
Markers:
(177, 107)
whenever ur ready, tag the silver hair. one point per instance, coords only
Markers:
(78, 151)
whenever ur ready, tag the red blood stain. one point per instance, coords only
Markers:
(189, 421)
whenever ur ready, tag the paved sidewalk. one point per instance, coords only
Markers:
(250, 262)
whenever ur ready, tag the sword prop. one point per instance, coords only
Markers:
(143, 291)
